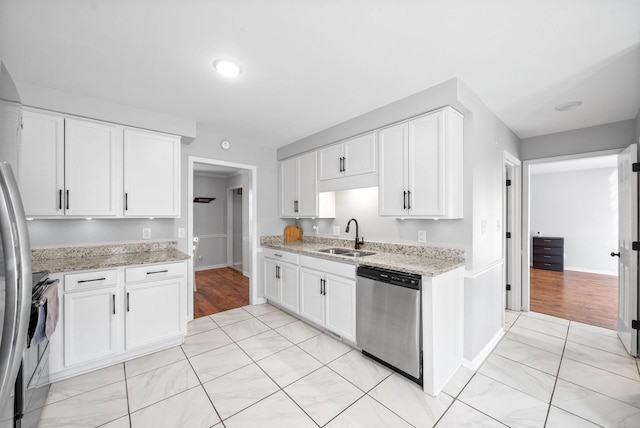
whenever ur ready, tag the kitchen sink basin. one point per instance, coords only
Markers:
(347, 252)
(340, 251)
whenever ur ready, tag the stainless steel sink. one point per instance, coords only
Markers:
(340, 251)
(346, 252)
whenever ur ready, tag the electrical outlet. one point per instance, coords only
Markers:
(422, 236)
(146, 233)
(181, 232)
(483, 227)
(336, 230)
(199, 258)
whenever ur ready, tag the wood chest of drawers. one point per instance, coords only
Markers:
(548, 253)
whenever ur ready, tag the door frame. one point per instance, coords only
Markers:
(252, 206)
(512, 221)
(230, 219)
(526, 212)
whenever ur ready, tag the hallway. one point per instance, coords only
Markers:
(219, 290)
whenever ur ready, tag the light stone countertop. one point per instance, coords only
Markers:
(422, 260)
(71, 259)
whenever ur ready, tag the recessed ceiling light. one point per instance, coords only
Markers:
(227, 67)
(568, 106)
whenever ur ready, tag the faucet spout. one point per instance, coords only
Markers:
(359, 241)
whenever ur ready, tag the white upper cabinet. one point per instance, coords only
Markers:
(93, 168)
(151, 174)
(299, 186)
(421, 166)
(70, 167)
(352, 157)
(41, 164)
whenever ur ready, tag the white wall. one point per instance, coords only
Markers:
(210, 222)
(237, 228)
(582, 207)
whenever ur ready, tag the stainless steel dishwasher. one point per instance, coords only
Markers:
(389, 319)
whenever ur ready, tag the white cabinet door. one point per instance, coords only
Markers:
(307, 185)
(427, 166)
(90, 325)
(299, 186)
(41, 164)
(153, 312)
(392, 176)
(330, 162)
(311, 297)
(151, 174)
(360, 155)
(288, 187)
(340, 301)
(93, 168)
(289, 287)
(271, 282)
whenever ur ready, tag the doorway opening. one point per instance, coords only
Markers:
(571, 228)
(221, 224)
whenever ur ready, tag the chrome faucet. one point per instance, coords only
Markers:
(358, 241)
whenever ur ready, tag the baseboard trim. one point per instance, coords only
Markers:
(596, 271)
(479, 359)
(199, 268)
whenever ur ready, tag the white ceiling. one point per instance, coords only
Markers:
(309, 65)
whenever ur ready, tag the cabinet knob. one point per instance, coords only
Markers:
(615, 254)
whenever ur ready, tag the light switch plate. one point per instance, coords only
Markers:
(422, 236)
(181, 232)
(336, 230)
(146, 233)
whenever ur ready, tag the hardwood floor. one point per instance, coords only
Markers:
(219, 290)
(578, 296)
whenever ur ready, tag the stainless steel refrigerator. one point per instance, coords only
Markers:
(15, 253)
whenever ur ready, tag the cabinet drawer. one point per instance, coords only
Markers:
(94, 279)
(548, 242)
(281, 255)
(154, 272)
(550, 251)
(549, 266)
(544, 258)
(336, 268)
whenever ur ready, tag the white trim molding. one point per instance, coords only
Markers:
(486, 351)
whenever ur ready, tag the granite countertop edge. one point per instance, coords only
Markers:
(93, 262)
(427, 266)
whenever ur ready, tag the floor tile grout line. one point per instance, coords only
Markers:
(555, 383)
(603, 369)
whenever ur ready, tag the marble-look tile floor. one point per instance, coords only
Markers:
(259, 367)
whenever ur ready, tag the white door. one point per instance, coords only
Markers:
(151, 174)
(307, 185)
(340, 301)
(41, 164)
(90, 325)
(93, 168)
(392, 182)
(289, 286)
(628, 232)
(426, 166)
(330, 161)
(271, 281)
(152, 312)
(311, 295)
(288, 187)
(360, 155)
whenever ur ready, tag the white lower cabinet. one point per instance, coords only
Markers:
(329, 299)
(151, 312)
(281, 278)
(115, 315)
(90, 325)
